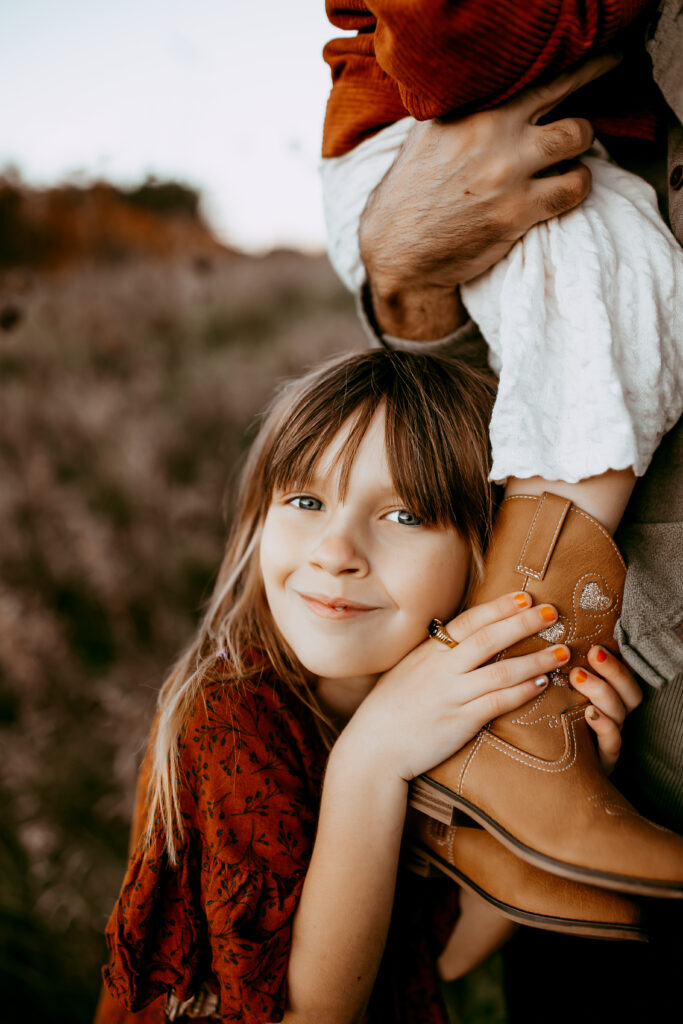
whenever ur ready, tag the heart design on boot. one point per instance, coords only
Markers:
(553, 634)
(593, 599)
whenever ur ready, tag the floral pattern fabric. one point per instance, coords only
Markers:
(215, 930)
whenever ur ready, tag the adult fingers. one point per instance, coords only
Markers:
(558, 194)
(538, 101)
(550, 144)
(608, 735)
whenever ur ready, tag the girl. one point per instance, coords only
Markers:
(254, 893)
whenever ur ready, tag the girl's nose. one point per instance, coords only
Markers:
(337, 553)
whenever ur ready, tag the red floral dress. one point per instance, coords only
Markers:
(209, 939)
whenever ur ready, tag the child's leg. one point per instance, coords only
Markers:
(478, 932)
(604, 497)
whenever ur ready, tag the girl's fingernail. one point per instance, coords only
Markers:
(581, 676)
(548, 614)
(561, 653)
(541, 681)
(522, 600)
(593, 714)
(601, 655)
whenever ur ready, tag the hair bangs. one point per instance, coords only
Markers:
(437, 442)
(307, 435)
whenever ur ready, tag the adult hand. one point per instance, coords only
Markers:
(613, 692)
(461, 193)
(437, 698)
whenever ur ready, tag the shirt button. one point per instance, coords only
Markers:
(676, 179)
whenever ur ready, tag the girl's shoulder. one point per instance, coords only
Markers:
(254, 726)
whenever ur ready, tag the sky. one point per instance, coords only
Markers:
(225, 95)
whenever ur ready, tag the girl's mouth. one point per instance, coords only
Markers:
(335, 607)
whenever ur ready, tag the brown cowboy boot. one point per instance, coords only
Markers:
(532, 777)
(524, 893)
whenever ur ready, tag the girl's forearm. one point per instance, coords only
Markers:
(342, 920)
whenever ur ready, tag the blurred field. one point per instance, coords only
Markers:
(128, 393)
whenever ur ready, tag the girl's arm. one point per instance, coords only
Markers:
(419, 713)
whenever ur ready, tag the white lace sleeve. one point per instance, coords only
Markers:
(584, 325)
(583, 320)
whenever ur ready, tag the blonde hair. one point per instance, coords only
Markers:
(437, 412)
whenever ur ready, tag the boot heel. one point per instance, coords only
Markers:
(415, 860)
(426, 799)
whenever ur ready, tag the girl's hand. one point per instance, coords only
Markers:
(437, 698)
(613, 692)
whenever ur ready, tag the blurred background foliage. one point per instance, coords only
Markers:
(135, 352)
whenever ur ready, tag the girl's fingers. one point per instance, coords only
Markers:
(495, 636)
(490, 705)
(605, 664)
(511, 672)
(608, 735)
(600, 693)
(480, 615)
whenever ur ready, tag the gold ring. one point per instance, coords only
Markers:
(438, 631)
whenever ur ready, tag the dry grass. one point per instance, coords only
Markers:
(126, 394)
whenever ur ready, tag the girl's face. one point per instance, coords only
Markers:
(352, 584)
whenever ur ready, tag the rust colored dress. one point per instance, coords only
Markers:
(209, 939)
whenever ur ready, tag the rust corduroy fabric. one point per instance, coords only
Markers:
(429, 58)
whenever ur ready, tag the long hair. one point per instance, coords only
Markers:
(437, 413)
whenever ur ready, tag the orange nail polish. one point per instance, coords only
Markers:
(548, 614)
(522, 600)
(581, 676)
(561, 654)
(601, 655)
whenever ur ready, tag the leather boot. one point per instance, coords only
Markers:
(532, 777)
(525, 894)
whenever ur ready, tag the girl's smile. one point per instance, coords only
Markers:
(335, 607)
(352, 581)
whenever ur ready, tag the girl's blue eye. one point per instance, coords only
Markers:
(404, 517)
(306, 502)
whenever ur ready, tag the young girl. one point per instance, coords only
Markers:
(254, 893)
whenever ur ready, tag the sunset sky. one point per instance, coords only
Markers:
(226, 95)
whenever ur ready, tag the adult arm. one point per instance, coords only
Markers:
(433, 222)
(459, 195)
